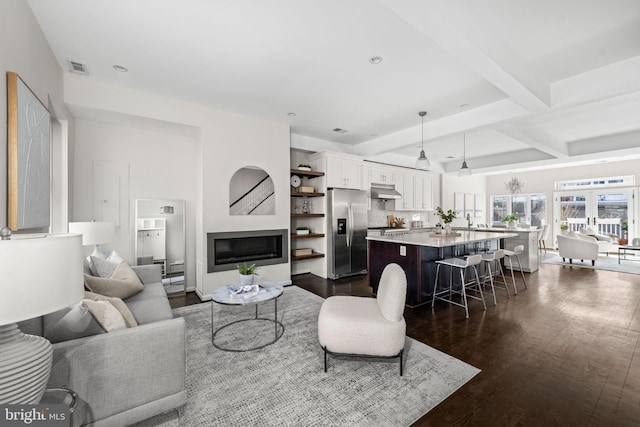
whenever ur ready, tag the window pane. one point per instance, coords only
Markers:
(538, 210)
(518, 206)
(499, 208)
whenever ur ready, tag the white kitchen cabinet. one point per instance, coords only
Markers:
(365, 183)
(424, 192)
(343, 173)
(405, 184)
(380, 175)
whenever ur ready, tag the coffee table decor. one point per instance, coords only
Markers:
(254, 328)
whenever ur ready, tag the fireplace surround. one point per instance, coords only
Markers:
(260, 247)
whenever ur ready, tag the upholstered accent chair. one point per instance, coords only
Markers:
(604, 242)
(366, 327)
(573, 247)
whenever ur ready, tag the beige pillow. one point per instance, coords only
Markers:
(118, 304)
(123, 283)
(106, 314)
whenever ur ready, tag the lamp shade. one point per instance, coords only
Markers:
(39, 275)
(93, 233)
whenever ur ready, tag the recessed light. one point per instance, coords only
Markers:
(375, 59)
(340, 130)
(120, 68)
(291, 114)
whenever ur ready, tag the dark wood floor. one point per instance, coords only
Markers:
(564, 352)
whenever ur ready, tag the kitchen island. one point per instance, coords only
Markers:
(417, 254)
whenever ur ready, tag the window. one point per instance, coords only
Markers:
(530, 208)
(596, 182)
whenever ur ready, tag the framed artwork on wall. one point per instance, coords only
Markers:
(458, 204)
(479, 206)
(28, 158)
(468, 205)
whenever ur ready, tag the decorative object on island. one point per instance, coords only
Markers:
(25, 361)
(447, 218)
(247, 273)
(93, 233)
(514, 185)
(423, 162)
(511, 220)
(464, 170)
(302, 230)
(28, 158)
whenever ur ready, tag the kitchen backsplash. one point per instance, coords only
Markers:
(377, 216)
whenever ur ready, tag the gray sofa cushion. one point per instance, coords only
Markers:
(150, 305)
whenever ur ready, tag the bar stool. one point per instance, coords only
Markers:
(510, 254)
(461, 264)
(489, 258)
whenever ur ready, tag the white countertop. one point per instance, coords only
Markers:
(434, 241)
(499, 229)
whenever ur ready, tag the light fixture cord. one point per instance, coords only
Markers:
(422, 133)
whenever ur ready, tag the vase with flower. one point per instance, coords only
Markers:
(447, 218)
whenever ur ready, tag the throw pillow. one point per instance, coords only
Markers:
(115, 257)
(106, 314)
(70, 323)
(123, 283)
(103, 267)
(96, 254)
(118, 304)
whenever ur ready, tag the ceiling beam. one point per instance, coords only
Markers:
(535, 138)
(459, 29)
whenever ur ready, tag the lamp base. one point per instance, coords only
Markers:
(25, 365)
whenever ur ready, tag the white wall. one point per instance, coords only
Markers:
(225, 142)
(162, 165)
(474, 184)
(24, 50)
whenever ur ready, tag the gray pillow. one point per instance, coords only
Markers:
(103, 267)
(71, 323)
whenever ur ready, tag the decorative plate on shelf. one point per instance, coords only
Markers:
(295, 181)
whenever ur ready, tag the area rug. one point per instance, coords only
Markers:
(284, 383)
(610, 263)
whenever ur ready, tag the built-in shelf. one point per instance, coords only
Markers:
(308, 174)
(303, 257)
(306, 236)
(297, 194)
(301, 216)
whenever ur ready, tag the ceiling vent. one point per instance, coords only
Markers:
(340, 130)
(78, 68)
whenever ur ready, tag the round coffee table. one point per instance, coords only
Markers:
(233, 295)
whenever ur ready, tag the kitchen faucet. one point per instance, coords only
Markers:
(469, 223)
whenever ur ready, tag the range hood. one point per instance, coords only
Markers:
(385, 192)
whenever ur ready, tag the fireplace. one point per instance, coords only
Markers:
(262, 247)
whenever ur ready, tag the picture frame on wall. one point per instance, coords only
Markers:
(28, 158)
(468, 205)
(458, 204)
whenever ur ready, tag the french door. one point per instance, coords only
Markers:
(606, 211)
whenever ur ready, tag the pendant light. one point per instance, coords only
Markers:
(464, 170)
(422, 163)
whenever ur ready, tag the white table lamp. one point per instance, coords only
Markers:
(93, 233)
(39, 275)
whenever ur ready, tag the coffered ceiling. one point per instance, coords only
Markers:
(530, 84)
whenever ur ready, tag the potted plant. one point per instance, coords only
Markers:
(303, 167)
(564, 228)
(447, 218)
(511, 220)
(247, 273)
(624, 226)
(303, 230)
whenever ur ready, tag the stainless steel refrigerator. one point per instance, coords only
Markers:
(347, 231)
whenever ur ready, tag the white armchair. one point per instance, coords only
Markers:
(360, 326)
(573, 247)
(604, 242)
